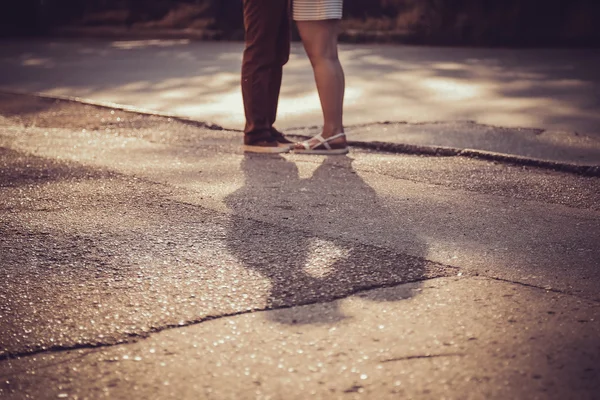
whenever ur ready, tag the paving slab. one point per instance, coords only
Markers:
(451, 338)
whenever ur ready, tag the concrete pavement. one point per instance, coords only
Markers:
(561, 149)
(551, 95)
(139, 260)
(411, 341)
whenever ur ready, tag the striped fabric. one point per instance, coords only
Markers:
(317, 10)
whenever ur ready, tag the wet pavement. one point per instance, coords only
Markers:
(142, 257)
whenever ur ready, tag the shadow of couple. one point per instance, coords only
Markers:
(315, 238)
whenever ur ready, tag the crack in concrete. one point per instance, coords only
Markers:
(134, 337)
(394, 148)
(439, 151)
(422, 356)
(544, 288)
(536, 131)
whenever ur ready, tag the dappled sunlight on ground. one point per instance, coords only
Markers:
(551, 89)
(37, 62)
(321, 257)
(141, 44)
(501, 88)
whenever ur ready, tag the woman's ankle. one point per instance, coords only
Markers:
(332, 131)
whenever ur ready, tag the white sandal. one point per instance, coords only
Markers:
(324, 143)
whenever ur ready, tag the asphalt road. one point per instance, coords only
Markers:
(144, 257)
(556, 90)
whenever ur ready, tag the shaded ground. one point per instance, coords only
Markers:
(420, 276)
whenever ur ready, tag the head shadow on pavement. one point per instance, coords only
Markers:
(312, 237)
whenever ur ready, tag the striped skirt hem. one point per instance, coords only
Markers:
(317, 10)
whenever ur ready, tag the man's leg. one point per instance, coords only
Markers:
(264, 56)
(283, 55)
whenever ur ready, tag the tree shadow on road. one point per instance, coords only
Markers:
(542, 88)
(311, 236)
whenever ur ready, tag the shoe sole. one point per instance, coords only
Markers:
(266, 150)
(332, 152)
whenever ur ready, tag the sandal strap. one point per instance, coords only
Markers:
(308, 146)
(322, 141)
(339, 135)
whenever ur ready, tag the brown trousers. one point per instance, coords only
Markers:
(267, 27)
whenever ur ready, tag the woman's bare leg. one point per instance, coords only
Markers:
(320, 39)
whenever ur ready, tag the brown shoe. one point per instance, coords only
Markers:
(267, 147)
(279, 137)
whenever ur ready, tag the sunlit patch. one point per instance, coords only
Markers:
(227, 105)
(353, 95)
(187, 56)
(37, 62)
(171, 83)
(526, 112)
(223, 79)
(322, 255)
(309, 104)
(306, 169)
(136, 44)
(353, 52)
(375, 60)
(237, 57)
(134, 86)
(452, 89)
(174, 94)
(67, 91)
(448, 66)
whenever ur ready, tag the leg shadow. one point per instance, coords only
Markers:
(310, 237)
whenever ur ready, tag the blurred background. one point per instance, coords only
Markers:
(433, 22)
